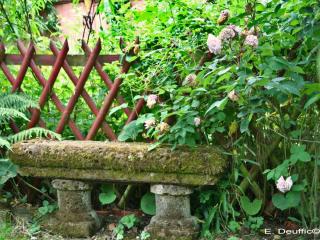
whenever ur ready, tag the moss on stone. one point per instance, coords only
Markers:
(131, 162)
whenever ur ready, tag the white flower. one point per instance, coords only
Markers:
(284, 185)
(149, 123)
(251, 40)
(197, 121)
(214, 44)
(233, 96)
(190, 80)
(227, 34)
(152, 100)
(163, 127)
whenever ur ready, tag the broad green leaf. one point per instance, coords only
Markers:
(298, 153)
(251, 208)
(115, 109)
(218, 104)
(107, 195)
(7, 170)
(312, 100)
(286, 201)
(148, 204)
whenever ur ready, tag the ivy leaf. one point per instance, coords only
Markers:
(298, 153)
(251, 208)
(129, 220)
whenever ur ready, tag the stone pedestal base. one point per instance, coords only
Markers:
(173, 219)
(75, 217)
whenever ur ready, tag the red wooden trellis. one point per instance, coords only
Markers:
(60, 60)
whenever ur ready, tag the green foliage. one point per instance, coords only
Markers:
(234, 226)
(7, 170)
(107, 194)
(126, 222)
(144, 235)
(132, 130)
(260, 104)
(254, 223)
(7, 232)
(24, 19)
(46, 208)
(251, 208)
(148, 204)
(13, 107)
(285, 201)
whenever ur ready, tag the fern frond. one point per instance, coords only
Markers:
(36, 132)
(4, 143)
(8, 113)
(19, 102)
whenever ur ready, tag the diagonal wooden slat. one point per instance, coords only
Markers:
(49, 84)
(106, 128)
(79, 88)
(24, 67)
(10, 77)
(137, 109)
(12, 81)
(109, 99)
(53, 96)
(61, 60)
(104, 76)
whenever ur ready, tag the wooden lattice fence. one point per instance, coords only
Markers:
(60, 60)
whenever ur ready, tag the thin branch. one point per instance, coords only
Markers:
(36, 189)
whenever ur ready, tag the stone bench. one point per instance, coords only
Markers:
(75, 164)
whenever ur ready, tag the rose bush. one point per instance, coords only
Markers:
(240, 75)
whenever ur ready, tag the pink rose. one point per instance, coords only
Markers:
(227, 34)
(214, 44)
(251, 40)
(284, 185)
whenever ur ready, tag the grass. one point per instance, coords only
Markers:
(7, 232)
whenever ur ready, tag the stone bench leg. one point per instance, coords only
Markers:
(173, 219)
(75, 217)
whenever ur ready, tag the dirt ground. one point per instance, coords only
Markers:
(21, 230)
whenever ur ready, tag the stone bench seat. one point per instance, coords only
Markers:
(74, 164)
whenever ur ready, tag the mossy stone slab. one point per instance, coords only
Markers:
(118, 162)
